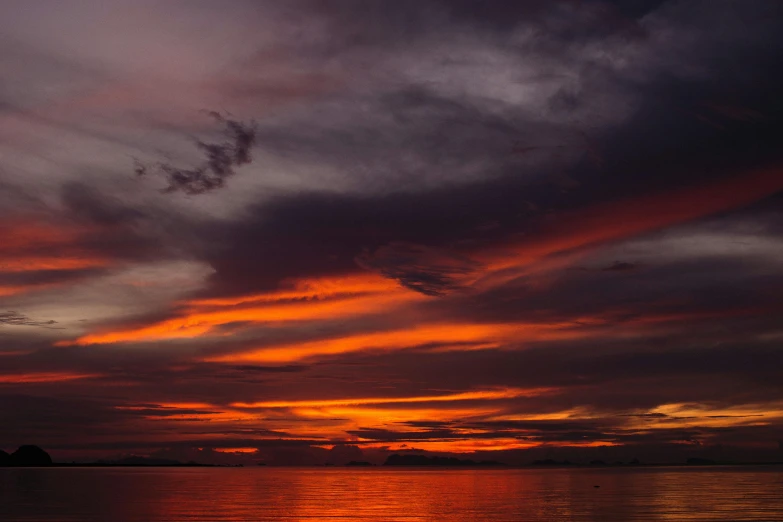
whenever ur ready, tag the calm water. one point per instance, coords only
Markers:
(157, 494)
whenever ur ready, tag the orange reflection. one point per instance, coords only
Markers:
(454, 495)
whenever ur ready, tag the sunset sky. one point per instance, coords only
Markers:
(308, 231)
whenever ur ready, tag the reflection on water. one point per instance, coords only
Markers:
(158, 494)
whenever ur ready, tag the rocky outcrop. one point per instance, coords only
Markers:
(29, 455)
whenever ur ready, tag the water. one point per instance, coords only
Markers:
(269, 494)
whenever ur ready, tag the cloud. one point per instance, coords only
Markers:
(423, 178)
(17, 319)
(426, 270)
(619, 266)
(220, 159)
(361, 401)
(42, 377)
(250, 368)
(200, 320)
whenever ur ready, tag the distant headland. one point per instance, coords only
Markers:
(422, 460)
(25, 456)
(33, 456)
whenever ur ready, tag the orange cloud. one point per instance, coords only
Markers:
(34, 263)
(626, 218)
(12, 290)
(21, 233)
(30, 245)
(461, 336)
(681, 415)
(42, 377)
(356, 416)
(332, 418)
(355, 284)
(455, 445)
(205, 412)
(458, 335)
(195, 322)
(505, 393)
(310, 299)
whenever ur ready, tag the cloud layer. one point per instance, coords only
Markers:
(534, 229)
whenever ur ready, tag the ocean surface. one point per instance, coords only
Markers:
(332, 494)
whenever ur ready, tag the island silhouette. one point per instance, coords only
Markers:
(24, 456)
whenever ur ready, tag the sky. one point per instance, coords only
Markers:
(305, 232)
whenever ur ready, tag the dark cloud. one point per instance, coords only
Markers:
(219, 163)
(444, 138)
(619, 266)
(16, 319)
(43, 278)
(627, 377)
(287, 236)
(426, 270)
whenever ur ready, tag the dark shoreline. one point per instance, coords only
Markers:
(34, 456)
(424, 467)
